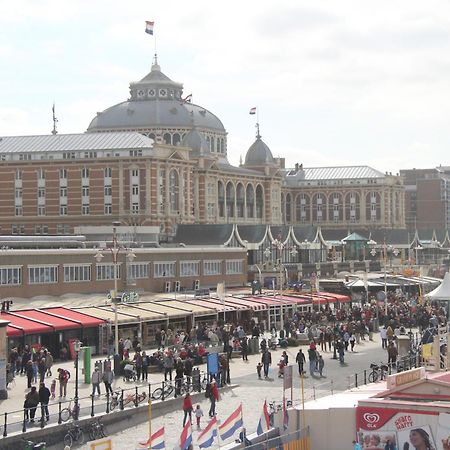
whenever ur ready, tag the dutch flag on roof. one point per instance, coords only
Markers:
(264, 421)
(232, 424)
(149, 27)
(207, 436)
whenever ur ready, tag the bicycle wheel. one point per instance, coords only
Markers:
(113, 403)
(65, 414)
(157, 394)
(79, 437)
(169, 391)
(373, 377)
(68, 441)
(92, 434)
(103, 431)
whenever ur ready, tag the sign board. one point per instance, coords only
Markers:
(221, 291)
(212, 363)
(409, 376)
(287, 379)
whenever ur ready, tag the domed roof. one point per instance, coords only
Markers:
(258, 154)
(196, 141)
(155, 102)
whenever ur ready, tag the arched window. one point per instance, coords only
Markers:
(352, 207)
(221, 198)
(167, 138)
(250, 201)
(240, 200)
(222, 145)
(319, 208)
(174, 191)
(152, 136)
(302, 208)
(176, 139)
(259, 202)
(373, 207)
(335, 207)
(230, 199)
(288, 208)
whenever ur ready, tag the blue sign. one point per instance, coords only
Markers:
(212, 363)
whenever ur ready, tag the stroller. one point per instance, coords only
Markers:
(129, 373)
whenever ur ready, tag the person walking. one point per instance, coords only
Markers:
(168, 363)
(31, 403)
(44, 398)
(320, 365)
(300, 360)
(312, 356)
(187, 408)
(266, 360)
(42, 369)
(49, 363)
(214, 397)
(95, 379)
(198, 415)
(383, 336)
(244, 348)
(108, 377)
(352, 342)
(138, 364)
(30, 373)
(145, 364)
(392, 354)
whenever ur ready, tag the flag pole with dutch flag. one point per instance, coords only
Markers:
(149, 26)
(255, 111)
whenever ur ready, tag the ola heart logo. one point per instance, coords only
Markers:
(371, 417)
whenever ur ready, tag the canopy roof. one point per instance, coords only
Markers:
(442, 292)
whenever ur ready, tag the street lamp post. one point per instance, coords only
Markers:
(115, 250)
(76, 409)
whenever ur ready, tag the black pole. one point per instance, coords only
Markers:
(75, 411)
(59, 414)
(107, 402)
(92, 405)
(5, 432)
(24, 425)
(121, 401)
(136, 397)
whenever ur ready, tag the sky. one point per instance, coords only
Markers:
(335, 82)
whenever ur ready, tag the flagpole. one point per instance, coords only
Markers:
(150, 421)
(218, 435)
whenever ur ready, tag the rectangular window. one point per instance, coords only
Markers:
(135, 172)
(85, 191)
(212, 267)
(164, 269)
(85, 209)
(63, 192)
(234, 266)
(10, 275)
(41, 192)
(189, 268)
(108, 190)
(137, 270)
(41, 210)
(77, 273)
(85, 172)
(18, 210)
(19, 174)
(135, 152)
(108, 172)
(108, 208)
(41, 174)
(42, 274)
(63, 210)
(18, 193)
(135, 189)
(135, 208)
(63, 173)
(106, 272)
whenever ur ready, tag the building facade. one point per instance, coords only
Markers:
(159, 160)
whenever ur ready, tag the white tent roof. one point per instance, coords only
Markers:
(442, 292)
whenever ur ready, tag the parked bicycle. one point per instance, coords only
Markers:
(30, 445)
(115, 400)
(378, 372)
(164, 392)
(74, 435)
(68, 412)
(131, 398)
(96, 430)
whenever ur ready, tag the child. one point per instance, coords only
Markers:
(198, 415)
(281, 365)
(258, 369)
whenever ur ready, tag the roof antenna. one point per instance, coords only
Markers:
(55, 120)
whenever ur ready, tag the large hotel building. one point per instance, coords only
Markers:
(156, 159)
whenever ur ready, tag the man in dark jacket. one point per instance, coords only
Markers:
(300, 360)
(44, 398)
(266, 360)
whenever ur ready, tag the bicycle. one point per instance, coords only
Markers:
(168, 390)
(377, 372)
(96, 430)
(74, 435)
(132, 398)
(68, 412)
(115, 400)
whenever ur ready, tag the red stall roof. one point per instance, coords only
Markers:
(248, 301)
(270, 301)
(58, 323)
(13, 331)
(210, 303)
(28, 326)
(84, 319)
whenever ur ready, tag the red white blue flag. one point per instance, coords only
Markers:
(264, 421)
(207, 436)
(186, 436)
(157, 440)
(232, 424)
(149, 27)
(253, 110)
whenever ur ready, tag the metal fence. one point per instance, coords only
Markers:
(297, 440)
(61, 411)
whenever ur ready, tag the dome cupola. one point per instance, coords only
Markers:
(259, 153)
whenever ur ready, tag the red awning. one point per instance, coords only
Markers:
(12, 331)
(85, 320)
(298, 299)
(248, 301)
(58, 323)
(335, 297)
(28, 326)
(271, 301)
(210, 304)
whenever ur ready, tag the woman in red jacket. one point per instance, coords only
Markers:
(187, 408)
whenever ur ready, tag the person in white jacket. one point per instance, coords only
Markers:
(95, 379)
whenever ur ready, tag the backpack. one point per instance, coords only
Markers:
(65, 376)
